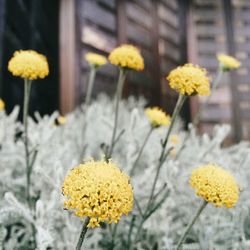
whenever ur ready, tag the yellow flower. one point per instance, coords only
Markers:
(2, 105)
(228, 62)
(157, 117)
(174, 139)
(28, 64)
(98, 190)
(127, 56)
(60, 120)
(189, 80)
(95, 59)
(215, 185)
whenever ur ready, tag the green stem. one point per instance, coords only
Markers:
(163, 156)
(140, 152)
(27, 88)
(113, 234)
(82, 234)
(90, 84)
(191, 223)
(132, 224)
(121, 80)
(214, 87)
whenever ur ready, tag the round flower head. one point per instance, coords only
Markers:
(189, 80)
(157, 117)
(98, 190)
(127, 56)
(228, 62)
(2, 105)
(215, 185)
(95, 59)
(28, 64)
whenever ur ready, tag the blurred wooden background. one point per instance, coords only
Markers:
(168, 32)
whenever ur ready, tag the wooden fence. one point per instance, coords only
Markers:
(155, 27)
(168, 32)
(224, 26)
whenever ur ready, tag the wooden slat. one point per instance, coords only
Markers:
(146, 4)
(172, 4)
(208, 30)
(168, 15)
(139, 15)
(168, 50)
(137, 34)
(111, 4)
(98, 38)
(169, 33)
(211, 46)
(98, 15)
(216, 114)
(67, 57)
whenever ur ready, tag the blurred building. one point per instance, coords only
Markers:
(168, 32)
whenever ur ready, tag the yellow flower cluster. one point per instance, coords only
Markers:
(127, 56)
(189, 80)
(95, 59)
(28, 64)
(228, 62)
(2, 105)
(98, 190)
(215, 185)
(157, 117)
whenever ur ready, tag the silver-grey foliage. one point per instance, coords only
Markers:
(82, 137)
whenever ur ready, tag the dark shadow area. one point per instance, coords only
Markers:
(30, 24)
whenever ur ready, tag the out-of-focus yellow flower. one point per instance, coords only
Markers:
(189, 80)
(61, 120)
(173, 152)
(174, 139)
(215, 185)
(157, 117)
(28, 64)
(127, 56)
(98, 190)
(2, 105)
(228, 62)
(95, 60)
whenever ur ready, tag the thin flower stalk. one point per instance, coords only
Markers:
(214, 87)
(191, 223)
(132, 224)
(140, 152)
(82, 234)
(121, 80)
(90, 84)
(27, 88)
(163, 156)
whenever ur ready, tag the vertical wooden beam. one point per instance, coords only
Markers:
(192, 54)
(156, 95)
(2, 22)
(121, 27)
(121, 22)
(183, 26)
(236, 116)
(67, 55)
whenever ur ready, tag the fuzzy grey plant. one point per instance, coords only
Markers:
(61, 147)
